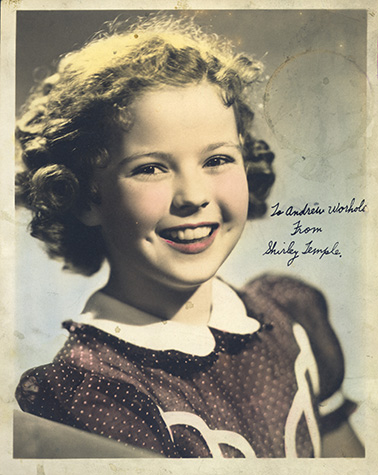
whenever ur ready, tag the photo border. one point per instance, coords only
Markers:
(7, 253)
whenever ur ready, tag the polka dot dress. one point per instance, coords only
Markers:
(234, 402)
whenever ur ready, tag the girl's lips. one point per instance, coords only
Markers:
(190, 239)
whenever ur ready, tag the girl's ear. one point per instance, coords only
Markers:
(90, 217)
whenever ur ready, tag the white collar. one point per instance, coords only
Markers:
(143, 329)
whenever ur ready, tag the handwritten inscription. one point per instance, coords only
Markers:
(298, 229)
(309, 248)
(291, 211)
(316, 209)
(293, 250)
(275, 251)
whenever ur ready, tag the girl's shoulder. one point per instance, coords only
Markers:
(36, 391)
(273, 297)
(91, 402)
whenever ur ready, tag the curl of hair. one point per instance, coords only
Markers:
(67, 124)
(258, 158)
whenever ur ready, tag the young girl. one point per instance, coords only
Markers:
(139, 150)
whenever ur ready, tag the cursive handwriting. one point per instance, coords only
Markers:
(290, 211)
(348, 209)
(295, 249)
(321, 252)
(316, 209)
(299, 230)
(274, 250)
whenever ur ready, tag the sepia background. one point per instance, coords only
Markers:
(311, 109)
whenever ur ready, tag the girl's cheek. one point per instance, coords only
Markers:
(145, 202)
(234, 191)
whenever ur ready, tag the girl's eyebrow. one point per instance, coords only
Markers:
(168, 156)
(215, 146)
(135, 156)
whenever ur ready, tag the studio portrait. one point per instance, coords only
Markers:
(190, 194)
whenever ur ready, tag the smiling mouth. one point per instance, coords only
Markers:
(189, 235)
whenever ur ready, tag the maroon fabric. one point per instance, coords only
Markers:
(101, 384)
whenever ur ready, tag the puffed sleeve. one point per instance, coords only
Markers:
(89, 402)
(307, 306)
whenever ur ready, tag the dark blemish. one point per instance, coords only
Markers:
(19, 335)
(114, 52)
(372, 13)
(325, 81)
(136, 36)
(304, 158)
(265, 327)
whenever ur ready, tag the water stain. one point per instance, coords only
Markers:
(4, 216)
(14, 3)
(40, 470)
(294, 94)
(182, 5)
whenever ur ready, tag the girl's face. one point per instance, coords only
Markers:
(175, 195)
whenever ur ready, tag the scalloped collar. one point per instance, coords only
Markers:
(145, 330)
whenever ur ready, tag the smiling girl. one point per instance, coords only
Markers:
(139, 150)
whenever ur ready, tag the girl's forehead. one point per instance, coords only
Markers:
(188, 104)
(175, 112)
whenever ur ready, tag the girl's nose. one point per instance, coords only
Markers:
(190, 193)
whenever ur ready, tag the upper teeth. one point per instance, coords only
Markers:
(188, 234)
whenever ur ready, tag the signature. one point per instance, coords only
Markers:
(309, 249)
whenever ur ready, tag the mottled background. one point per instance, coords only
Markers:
(311, 109)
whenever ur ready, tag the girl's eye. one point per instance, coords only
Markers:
(148, 170)
(218, 161)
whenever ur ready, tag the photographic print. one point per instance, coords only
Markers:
(188, 256)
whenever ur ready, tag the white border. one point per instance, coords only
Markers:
(320, 466)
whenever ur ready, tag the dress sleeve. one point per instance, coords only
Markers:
(307, 306)
(35, 393)
(95, 404)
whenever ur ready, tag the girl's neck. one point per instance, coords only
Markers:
(186, 305)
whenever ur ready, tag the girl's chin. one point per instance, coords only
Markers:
(174, 265)
(180, 277)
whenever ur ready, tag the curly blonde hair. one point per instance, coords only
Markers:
(67, 123)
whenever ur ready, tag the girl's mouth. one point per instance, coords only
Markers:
(190, 239)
